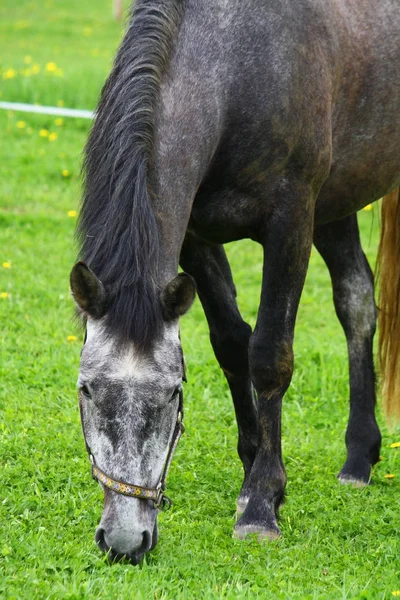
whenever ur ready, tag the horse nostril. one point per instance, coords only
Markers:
(146, 542)
(137, 556)
(101, 540)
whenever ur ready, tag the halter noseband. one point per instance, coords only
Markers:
(157, 494)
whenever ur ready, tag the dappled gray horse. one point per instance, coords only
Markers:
(274, 120)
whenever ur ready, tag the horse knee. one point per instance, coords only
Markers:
(231, 349)
(271, 367)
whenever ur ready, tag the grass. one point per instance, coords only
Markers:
(337, 542)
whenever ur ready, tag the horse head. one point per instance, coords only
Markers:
(131, 407)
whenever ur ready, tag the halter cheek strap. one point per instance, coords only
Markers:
(155, 494)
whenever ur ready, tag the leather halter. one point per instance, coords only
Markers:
(157, 494)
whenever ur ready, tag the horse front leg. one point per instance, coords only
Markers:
(229, 334)
(287, 241)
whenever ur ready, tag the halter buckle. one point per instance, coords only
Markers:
(162, 502)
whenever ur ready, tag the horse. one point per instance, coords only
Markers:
(274, 121)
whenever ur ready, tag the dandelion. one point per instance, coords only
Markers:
(36, 69)
(51, 67)
(3, 295)
(72, 213)
(21, 124)
(6, 265)
(60, 103)
(389, 476)
(44, 133)
(71, 338)
(9, 74)
(52, 137)
(28, 60)
(66, 173)
(395, 445)
(58, 122)
(396, 593)
(368, 207)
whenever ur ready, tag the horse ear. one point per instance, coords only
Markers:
(177, 296)
(88, 291)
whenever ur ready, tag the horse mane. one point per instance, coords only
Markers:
(118, 232)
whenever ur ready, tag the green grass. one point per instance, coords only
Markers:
(337, 542)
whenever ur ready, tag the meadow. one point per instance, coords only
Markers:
(338, 542)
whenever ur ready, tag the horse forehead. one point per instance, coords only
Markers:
(129, 363)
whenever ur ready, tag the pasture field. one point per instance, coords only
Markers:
(337, 542)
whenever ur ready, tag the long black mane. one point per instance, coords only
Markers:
(118, 231)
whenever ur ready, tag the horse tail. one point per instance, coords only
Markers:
(388, 269)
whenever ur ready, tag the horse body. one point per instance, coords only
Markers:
(291, 88)
(224, 120)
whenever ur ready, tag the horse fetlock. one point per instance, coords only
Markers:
(241, 504)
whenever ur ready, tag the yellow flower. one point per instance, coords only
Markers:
(51, 67)
(60, 103)
(396, 593)
(71, 338)
(21, 124)
(28, 60)
(58, 122)
(6, 265)
(3, 295)
(368, 207)
(52, 137)
(66, 173)
(395, 445)
(389, 476)
(44, 133)
(9, 74)
(72, 213)
(35, 69)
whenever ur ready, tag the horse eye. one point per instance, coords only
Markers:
(85, 391)
(177, 391)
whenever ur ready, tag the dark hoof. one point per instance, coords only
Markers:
(270, 533)
(259, 520)
(357, 476)
(356, 483)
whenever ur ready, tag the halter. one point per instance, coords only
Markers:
(157, 494)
